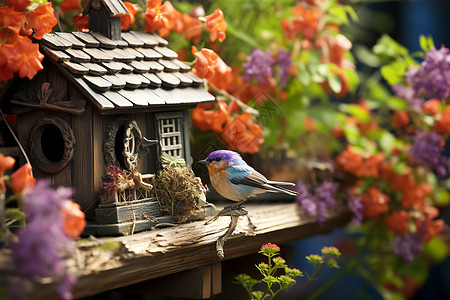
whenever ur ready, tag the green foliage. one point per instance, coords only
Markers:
(276, 283)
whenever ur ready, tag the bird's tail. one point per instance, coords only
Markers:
(279, 186)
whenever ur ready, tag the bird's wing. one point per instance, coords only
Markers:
(246, 175)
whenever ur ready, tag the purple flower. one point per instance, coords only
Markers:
(306, 201)
(258, 65)
(356, 206)
(284, 60)
(325, 193)
(408, 245)
(432, 78)
(426, 149)
(42, 244)
(319, 203)
(409, 95)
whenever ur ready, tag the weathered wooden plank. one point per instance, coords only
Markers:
(133, 51)
(154, 80)
(157, 253)
(75, 68)
(148, 39)
(97, 83)
(117, 99)
(117, 82)
(149, 53)
(154, 66)
(87, 39)
(104, 41)
(168, 80)
(132, 40)
(183, 67)
(166, 52)
(55, 42)
(97, 55)
(169, 66)
(56, 55)
(76, 43)
(94, 69)
(139, 67)
(78, 55)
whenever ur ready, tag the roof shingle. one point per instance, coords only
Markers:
(139, 70)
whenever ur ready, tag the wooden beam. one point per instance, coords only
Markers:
(153, 254)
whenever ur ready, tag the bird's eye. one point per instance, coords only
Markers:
(218, 159)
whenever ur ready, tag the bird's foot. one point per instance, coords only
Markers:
(229, 210)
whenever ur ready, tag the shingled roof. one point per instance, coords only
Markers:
(139, 70)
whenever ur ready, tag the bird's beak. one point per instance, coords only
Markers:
(203, 162)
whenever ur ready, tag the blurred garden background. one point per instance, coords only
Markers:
(363, 86)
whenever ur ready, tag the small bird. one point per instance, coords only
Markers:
(235, 180)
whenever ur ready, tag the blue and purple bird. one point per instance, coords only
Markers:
(235, 180)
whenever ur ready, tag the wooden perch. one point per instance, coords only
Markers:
(153, 254)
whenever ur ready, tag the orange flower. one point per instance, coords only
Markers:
(432, 107)
(12, 19)
(243, 135)
(210, 120)
(81, 22)
(192, 28)
(42, 20)
(310, 124)
(414, 196)
(336, 48)
(70, 5)
(74, 219)
(6, 163)
(222, 75)
(23, 56)
(442, 126)
(160, 17)
(371, 166)
(349, 160)
(305, 22)
(432, 227)
(375, 202)
(398, 221)
(18, 5)
(400, 119)
(22, 179)
(216, 25)
(127, 20)
(337, 131)
(205, 65)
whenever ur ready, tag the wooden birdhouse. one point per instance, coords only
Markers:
(105, 99)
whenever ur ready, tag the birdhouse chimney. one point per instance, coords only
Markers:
(104, 17)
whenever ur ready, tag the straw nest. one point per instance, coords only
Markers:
(179, 192)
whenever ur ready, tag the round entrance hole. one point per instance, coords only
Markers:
(52, 143)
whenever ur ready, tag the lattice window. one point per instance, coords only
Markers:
(171, 134)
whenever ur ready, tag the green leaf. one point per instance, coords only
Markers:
(426, 43)
(14, 213)
(389, 48)
(355, 110)
(352, 79)
(335, 82)
(352, 133)
(394, 72)
(387, 141)
(436, 248)
(442, 197)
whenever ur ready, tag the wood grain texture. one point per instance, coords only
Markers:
(152, 254)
